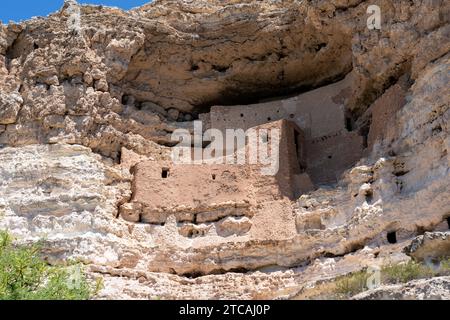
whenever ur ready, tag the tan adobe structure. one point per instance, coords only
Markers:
(330, 146)
(318, 113)
(205, 193)
(383, 113)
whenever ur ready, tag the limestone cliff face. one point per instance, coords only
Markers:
(89, 97)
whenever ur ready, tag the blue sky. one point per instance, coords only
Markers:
(17, 10)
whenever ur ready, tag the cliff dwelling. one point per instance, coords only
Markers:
(315, 148)
(349, 126)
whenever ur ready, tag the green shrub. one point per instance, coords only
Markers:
(351, 284)
(404, 272)
(25, 276)
(444, 267)
(354, 283)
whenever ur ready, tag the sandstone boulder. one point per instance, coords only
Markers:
(9, 107)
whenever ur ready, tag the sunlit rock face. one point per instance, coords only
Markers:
(87, 111)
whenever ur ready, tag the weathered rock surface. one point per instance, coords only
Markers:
(431, 245)
(426, 289)
(84, 104)
(10, 105)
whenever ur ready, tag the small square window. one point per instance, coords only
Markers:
(165, 173)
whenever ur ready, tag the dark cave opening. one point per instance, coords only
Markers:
(348, 124)
(364, 132)
(369, 196)
(392, 237)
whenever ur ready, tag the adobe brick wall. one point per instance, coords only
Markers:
(293, 161)
(318, 113)
(328, 157)
(215, 191)
(190, 189)
(383, 113)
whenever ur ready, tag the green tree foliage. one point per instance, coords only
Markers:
(25, 276)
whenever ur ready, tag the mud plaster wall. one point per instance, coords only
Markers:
(384, 111)
(329, 156)
(162, 187)
(293, 161)
(330, 148)
(318, 113)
